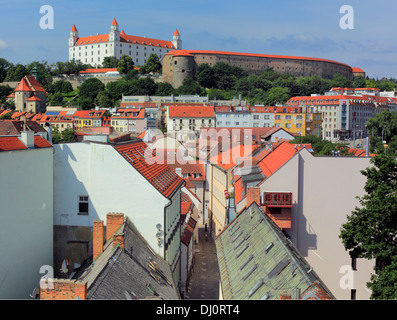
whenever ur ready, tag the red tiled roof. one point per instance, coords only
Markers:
(23, 86)
(174, 52)
(73, 28)
(176, 33)
(357, 70)
(129, 114)
(146, 41)
(114, 23)
(124, 106)
(34, 98)
(98, 70)
(40, 142)
(126, 38)
(13, 143)
(188, 232)
(34, 84)
(277, 158)
(359, 152)
(191, 111)
(191, 169)
(229, 158)
(143, 159)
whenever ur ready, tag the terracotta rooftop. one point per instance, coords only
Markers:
(13, 143)
(191, 111)
(175, 52)
(151, 167)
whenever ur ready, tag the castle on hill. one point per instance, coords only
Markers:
(93, 49)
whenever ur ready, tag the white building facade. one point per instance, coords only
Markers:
(324, 191)
(93, 49)
(26, 228)
(92, 179)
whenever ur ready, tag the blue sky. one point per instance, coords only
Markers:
(307, 28)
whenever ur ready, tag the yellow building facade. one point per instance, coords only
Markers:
(300, 123)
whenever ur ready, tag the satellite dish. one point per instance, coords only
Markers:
(158, 226)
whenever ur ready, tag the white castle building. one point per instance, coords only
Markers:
(93, 49)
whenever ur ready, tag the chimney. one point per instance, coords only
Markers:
(253, 195)
(97, 239)
(113, 222)
(27, 138)
(118, 239)
(64, 289)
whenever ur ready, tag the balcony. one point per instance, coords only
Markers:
(278, 205)
(277, 199)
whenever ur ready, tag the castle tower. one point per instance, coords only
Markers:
(74, 35)
(176, 40)
(183, 67)
(114, 34)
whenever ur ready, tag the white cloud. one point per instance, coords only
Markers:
(3, 45)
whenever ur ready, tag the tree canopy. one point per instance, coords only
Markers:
(152, 65)
(371, 229)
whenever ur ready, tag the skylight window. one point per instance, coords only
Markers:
(246, 262)
(250, 272)
(256, 287)
(242, 250)
(236, 237)
(268, 247)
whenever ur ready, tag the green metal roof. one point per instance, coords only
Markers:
(256, 260)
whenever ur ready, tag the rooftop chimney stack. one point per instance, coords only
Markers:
(113, 222)
(97, 239)
(253, 195)
(118, 239)
(27, 138)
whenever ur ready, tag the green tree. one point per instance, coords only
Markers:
(152, 64)
(322, 147)
(131, 75)
(110, 62)
(164, 89)
(205, 76)
(55, 99)
(67, 135)
(190, 86)
(277, 95)
(4, 92)
(103, 99)
(91, 87)
(359, 82)
(125, 64)
(62, 86)
(88, 91)
(16, 73)
(6, 116)
(4, 66)
(371, 229)
(145, 86)
(382, 126)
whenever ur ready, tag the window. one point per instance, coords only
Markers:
(83, 205)
(353, 293)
